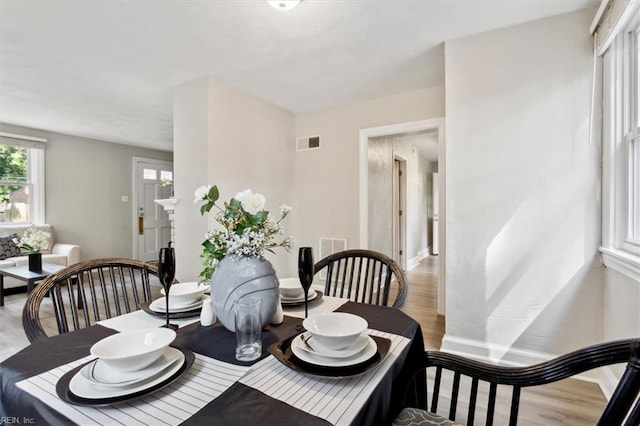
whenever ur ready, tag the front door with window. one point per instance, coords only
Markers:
(154, 181)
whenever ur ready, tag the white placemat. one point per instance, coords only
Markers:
(336, 400)
(140, 319)
(206, 380)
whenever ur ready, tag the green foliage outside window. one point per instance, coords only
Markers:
(13, 172)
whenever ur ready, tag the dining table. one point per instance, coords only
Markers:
(218, 389)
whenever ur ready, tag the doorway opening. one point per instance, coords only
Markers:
(417, 213)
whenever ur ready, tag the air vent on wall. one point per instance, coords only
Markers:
(307, 142)
(329, 246)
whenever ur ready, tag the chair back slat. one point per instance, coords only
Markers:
(454, 396)
(118, 278)
(491, 405)
(134, 286)
(436, 390)
(88, 287)
(349, 265)
(377, 284)
(338, 271)
(93, 296)
(363, 276)
(634, 416)
(73, 307)
(84, 283)
(61, 317)
(114, 290)
(352, 271)
(515, 404)
(473, 396)
(361, 285)
(88, 292)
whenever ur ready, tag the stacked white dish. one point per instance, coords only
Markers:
(183, 297)
(128, 362)
(334, 339)
(291, 291)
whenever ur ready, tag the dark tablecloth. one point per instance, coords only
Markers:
(240, 404)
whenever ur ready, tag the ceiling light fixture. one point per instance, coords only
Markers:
(284, 4)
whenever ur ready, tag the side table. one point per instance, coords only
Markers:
(24, 274)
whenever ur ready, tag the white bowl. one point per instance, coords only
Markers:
(185, 293)
(291, 288)
(335, 330)
(133, 350)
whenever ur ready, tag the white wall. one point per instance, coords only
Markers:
(191, 170)
(621, 301)
(230, 138)
(326, 180)
(85, 180)
(523, 207)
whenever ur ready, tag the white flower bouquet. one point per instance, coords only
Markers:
(34, 240)
(245, 227)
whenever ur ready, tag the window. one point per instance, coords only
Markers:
(21, 179)
(621, 149)
(632, 242)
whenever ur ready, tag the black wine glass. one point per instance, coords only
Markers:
(305, 273)
(166, 274)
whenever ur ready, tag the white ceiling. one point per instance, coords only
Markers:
(106, 69)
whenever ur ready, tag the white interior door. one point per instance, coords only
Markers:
(152, 225)
(399, 211)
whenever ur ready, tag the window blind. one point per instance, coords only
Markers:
(612, 17)
(21, 140)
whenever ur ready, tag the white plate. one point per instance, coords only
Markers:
(84, 388)
(360, 343)
(365, 354)
(312, 295)
(101, 374)
(159, 305)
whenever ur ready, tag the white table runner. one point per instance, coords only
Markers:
(326, 304)
(206, 380)
(336, 400)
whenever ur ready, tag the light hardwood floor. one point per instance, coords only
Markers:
(570, 402)
(422, 301)
(12, 337)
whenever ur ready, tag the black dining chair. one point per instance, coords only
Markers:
(87, 292)
(364, 276)
(441, 367)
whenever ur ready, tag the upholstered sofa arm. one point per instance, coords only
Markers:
(72, 252)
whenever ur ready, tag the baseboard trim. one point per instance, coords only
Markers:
(608, 382)
(414, 261)
(510, 356)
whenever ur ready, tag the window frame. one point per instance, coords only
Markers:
(621, 153)
(35, 174)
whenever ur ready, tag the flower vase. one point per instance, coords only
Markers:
(35, 262)
(239, 276)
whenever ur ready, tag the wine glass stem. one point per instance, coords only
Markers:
(306, 303)
(166, 300)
